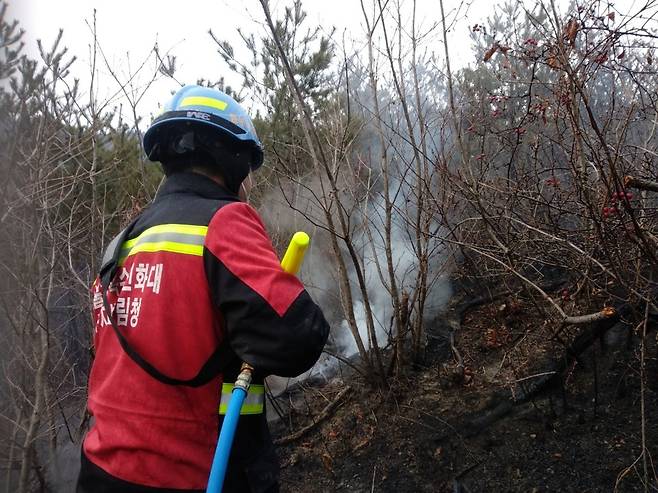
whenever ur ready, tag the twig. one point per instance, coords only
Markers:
(543, 374)
(643, 414)
(316, 420)
(466, 470)
(346, 361)
(640, 183)
(607, 312)
(455, 351)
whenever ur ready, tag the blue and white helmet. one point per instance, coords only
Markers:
(196, 107)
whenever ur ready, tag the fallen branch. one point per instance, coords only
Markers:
(346, 361)
(607, 312)
(457, 354)
(556, 367)
(460, 306)
(640, 183)
(489, 416)
(316, 420)
(503, 403)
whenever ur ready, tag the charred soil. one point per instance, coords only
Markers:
(441, 427)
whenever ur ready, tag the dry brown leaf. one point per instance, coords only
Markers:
(361, 444)
(490, 52)
(292, 460)
(571, 31)
(553, 61)
(327, 462)
(611, 16)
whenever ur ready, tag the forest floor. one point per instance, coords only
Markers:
(432, 432)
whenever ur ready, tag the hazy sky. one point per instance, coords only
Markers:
(127, 31)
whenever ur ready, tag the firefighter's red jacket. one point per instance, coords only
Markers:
(198, 268)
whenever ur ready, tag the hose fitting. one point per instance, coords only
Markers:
(244, 378)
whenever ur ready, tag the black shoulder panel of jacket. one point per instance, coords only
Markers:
(271, 321)
(184, 198)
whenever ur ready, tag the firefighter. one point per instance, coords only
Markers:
(188, 291)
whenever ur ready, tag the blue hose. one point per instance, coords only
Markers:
(292, 260)
(223, 450)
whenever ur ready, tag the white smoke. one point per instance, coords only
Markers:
(404, 197)
(367, 216)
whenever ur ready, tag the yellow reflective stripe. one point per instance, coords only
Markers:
(253, 402)
(203, 101)
(184, 229)
(256, 389)
(251, 409)
(246, 408)
(167, 246)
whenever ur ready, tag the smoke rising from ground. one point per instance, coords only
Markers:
(368, 216)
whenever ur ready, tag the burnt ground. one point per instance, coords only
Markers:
(433, 431)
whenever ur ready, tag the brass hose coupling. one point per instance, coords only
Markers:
(244, 378)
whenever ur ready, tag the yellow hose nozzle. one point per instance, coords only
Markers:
(294, 256)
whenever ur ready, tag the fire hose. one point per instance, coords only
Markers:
(292, 261)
